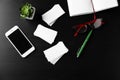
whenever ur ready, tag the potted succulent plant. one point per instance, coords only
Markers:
(27, 11)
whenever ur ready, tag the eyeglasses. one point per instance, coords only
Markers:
(95, 25)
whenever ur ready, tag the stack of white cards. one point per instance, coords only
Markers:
(45, 33)
(53, 14)
(80, 7)
(54, 53)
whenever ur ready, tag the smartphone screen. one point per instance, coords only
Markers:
(20, 42)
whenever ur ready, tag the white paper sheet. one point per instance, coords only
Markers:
(80, 7)
(53, 14)
(104, 4)
(54, 53)
(46, 34)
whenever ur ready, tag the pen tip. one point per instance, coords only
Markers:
(77, 56)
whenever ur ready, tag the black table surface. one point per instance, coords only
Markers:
(100, 60)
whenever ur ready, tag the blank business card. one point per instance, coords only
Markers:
(45, 33)
(54, 53)
(53, 14)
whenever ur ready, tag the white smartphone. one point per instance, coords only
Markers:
(20, 42)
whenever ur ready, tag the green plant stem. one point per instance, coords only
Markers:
(84, 43)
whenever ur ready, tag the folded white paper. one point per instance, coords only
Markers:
(53, 14)
(46, 34)
(54, 53)
(80, 7)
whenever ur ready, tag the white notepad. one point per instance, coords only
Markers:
(45, 33)
(53, 14)
(81, 7)
(54, 53)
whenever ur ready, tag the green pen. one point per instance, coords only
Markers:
(84, 43)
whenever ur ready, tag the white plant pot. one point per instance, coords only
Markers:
(33, 14)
